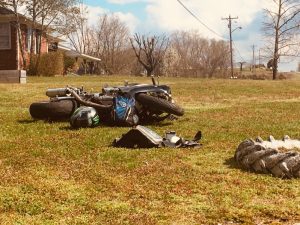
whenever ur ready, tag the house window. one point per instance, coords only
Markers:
(5, 36)
(32, 37)
(28, 39)
(38, 42)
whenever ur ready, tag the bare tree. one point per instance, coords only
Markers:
(32, 7)
(216, 59)
(78, 32)
(107, 40)
(149, 50)
(48, 15)
(188, 47)
(283, 26)
(199, 55)
(111, 44)
(45, 16)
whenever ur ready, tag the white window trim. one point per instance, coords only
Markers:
(9, 35)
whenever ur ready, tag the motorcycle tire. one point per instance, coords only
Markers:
(159, 104)
(59, 110)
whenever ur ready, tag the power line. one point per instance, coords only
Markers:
(241, 57)
(190, 12)
(207, 27)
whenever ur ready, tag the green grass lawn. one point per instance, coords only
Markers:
(50, 174)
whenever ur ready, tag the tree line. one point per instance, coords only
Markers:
(179, 53)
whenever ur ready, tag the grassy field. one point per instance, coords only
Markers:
(50, 174)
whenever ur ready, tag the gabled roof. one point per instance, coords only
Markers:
(72, 53)
(5, 11)
(9, 15)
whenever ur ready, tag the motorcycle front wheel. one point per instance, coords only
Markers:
(159, 104)
(59, 110)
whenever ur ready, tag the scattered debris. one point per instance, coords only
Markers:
(143, 137)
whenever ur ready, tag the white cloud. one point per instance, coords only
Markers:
(129, 19)
(170, 15)
(122, 1)
(95, 12)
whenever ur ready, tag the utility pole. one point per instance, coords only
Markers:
(253, 59)
(230, 35)
(259, 57)
(241, 66)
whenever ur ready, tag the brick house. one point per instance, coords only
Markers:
(11, 63)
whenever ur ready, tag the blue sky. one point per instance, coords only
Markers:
(136, 8)
(165, 16)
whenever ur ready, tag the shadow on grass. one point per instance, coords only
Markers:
(69, 127)
(29, 121)
(66, 128)
(231, 163)
(26, 121)
(113, 125)
(102, 125)
(158, 124)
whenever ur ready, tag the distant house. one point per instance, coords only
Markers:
(87, 64)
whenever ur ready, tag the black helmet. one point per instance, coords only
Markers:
(84, 117)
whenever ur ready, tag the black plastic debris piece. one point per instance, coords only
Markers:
(143, 137)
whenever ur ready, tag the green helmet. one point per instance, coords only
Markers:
(85, 117)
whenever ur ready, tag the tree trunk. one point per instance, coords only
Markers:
(149, 72)
(19, 32)
(33, 38)
(276, 56)
(38, 53)
(21, 45)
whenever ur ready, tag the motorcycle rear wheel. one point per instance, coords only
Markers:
(159, 104)
(59, 110)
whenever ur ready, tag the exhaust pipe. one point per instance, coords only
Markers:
(56, 92)
(88, 103)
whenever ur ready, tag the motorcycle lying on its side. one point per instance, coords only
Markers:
(151, 102)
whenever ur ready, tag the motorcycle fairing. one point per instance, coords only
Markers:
(133, 90)
(139, 137)
(124, 111)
